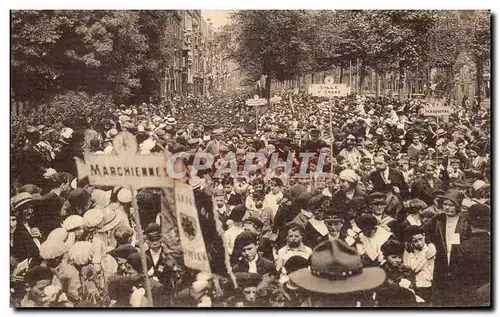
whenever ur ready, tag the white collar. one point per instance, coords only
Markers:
(414, 219)
(306, 213)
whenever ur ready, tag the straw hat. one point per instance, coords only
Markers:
(111, 219)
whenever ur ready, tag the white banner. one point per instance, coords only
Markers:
(138, 171)
(436, 111)
(193, 246)
(329, 90)
(256, 102)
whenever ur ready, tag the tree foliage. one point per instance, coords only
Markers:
(276, 43)
(117, 52)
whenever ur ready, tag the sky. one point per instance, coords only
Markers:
(217, 17)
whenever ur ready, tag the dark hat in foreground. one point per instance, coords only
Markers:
(479, 212)
(392, 247)
(123, 251)
(396, 296)
(245, 279)
(238, 212)
(337, 268)
(296, 263)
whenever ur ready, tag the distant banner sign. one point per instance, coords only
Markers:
(138, 171)
(329, 90)
(256, 102)
(193, 246)
(275, 99)
(437, 111)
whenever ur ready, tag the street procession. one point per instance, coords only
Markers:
(221, 164)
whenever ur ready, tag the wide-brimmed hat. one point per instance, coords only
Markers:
(196, 182)
(111, 219)
(479, 184)
(454, 195)
(217, 131)
(379, 131)
(440, 132)
(171, 121)
(337, 268)
(21, 199)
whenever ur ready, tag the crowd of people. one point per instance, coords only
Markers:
(403, 219)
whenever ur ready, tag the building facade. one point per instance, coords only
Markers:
(199, 65)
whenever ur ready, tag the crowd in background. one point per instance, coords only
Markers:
(404, 221)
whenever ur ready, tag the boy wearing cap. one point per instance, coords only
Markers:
(419, 256)
(454, 171)
(392, 263)
(371, 238)
(248, 283)
(155, 251)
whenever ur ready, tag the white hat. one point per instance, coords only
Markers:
(148, 145)
(111, 220)
(93, 217)
(52, 249)
(101, 198)
(477, 185)
(196, 182)
(379, 131)
(349, 175)
(66, 133)
(72, 222)
(124, 196)
(171, 121)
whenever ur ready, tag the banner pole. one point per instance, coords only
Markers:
(331, 135)
(138, 228)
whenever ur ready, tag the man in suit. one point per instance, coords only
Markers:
(473, 277)
(424, 187)
(447, 231)
(213, 146)
(250, 260)
(387, 179)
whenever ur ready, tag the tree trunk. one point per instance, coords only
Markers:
(401, 71)
(362, 75)
(449, 81)
(479, 79)
(428, 77)
(267, 90)
(376, 87)
(341, 74)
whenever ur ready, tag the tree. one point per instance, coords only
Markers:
(60, 50)
(446, 41)
(275, 43)
(478, 37)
